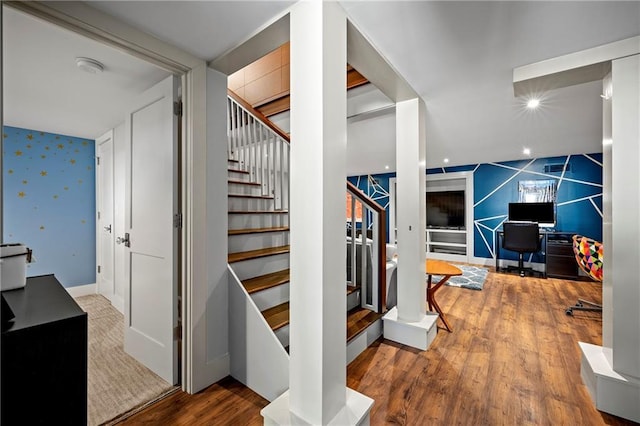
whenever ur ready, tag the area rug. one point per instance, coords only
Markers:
(473, 277)
(117, 383)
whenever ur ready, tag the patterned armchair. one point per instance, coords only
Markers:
(589, 255)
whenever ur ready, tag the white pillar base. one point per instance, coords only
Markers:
(355, 412)
(610, 392)
(418, 335)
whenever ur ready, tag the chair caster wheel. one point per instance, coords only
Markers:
(569, 311)
(579, 305)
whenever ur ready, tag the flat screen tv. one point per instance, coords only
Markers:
(445, 209)
(543, 213)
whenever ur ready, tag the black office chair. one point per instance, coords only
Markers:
(523, 237)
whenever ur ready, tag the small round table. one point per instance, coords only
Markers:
(438, 267)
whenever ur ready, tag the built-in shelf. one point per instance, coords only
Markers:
(443, 243)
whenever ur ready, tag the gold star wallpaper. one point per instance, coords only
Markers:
(49, 202)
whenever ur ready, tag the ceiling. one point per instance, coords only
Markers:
(44, 89)
(459, 56)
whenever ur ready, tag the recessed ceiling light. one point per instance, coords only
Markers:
(533, 103)
(526, 151)
(446, 160)
(89, 65)
(386, 167)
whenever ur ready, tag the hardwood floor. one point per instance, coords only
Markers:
(512, 359)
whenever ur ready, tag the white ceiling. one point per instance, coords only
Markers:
(45, 91)
(459, 56)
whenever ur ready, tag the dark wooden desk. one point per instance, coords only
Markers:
(438, 267)
(44, 356)
(556, 259)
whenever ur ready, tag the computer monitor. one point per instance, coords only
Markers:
(543, 213)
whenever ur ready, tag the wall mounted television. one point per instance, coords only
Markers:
(446, 209)
(543, 213)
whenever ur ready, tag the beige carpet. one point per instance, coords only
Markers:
(118, 384)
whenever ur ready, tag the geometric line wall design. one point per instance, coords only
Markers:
(578, 198)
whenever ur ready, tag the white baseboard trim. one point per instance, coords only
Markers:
(118, 303)
(82, 290)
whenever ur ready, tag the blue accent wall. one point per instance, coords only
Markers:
(49, 202)
(579, 194)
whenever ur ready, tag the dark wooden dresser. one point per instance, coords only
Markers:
(44, 356)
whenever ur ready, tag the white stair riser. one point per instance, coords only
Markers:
(353, 300)
(238, 176)
(263, 220)
(271, 297)
(283, 335)
(239, 188)
(238, 243)
(263, 265)
(239, 203)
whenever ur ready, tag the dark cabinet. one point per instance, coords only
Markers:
(561, 262)
(44, 356)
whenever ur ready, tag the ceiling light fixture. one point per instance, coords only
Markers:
(526, 151)
(446, 160)
(386, 167)
(89, 65)
(533, 103)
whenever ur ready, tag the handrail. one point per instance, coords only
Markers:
(260, 116)
(261, 148)
(379, 235)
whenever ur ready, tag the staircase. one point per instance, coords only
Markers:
(258, 247)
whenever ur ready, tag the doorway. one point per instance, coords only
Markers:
(105, 148)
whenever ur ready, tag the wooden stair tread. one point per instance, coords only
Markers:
(266, 197)
(257, 230)
(243, 182)
(254, 254)
(352, 289)
(358, 320)
(278, 316)
(258, 211)
(266, 281)
(238, 171)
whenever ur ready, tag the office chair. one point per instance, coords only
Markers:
(522, 237)
(589, 254)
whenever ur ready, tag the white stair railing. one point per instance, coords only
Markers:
(261, 149)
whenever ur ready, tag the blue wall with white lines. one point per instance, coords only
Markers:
(579, 194)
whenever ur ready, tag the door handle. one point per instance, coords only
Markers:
(108, 228)
(124, 240)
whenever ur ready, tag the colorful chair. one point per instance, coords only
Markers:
(589, 254)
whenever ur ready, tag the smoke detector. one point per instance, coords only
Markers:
(89, 65)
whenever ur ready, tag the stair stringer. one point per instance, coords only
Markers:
(258, 359)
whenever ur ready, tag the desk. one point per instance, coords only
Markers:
(557, 263)
(438, 267)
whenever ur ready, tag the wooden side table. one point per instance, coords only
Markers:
(438, 267)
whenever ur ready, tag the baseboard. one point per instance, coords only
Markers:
(118, 303)
(82, 290)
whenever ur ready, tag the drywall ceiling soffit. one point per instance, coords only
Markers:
(575, 68)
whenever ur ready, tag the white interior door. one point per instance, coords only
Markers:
(150, 254)
(104, 203)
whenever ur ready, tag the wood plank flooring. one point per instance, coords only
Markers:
(513, 359)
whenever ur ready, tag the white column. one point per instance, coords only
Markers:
(317, 371)
(611, 372)
(625, 250)
(407, 323)
(410, 196)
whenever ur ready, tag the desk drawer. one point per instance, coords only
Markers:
(560, 248)
(562, 267)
